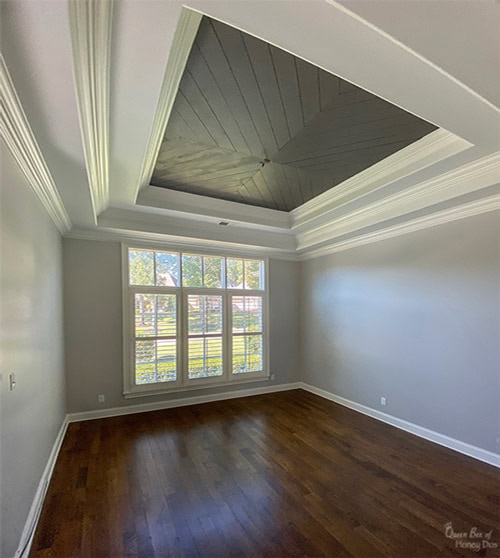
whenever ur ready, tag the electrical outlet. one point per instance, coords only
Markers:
(101, 398)
(12, 381)
(383, 401)
(273, 377)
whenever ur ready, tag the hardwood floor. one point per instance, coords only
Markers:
(287, 474)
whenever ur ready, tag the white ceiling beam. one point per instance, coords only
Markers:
(90, 24)
(133, 219)
(201, 207)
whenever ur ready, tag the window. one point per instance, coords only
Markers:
(192, 320)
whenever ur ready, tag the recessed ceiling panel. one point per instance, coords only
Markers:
(254, 124)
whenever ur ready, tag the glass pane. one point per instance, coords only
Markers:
(166, 360)
(247, 314)
(155, 361)
(204, 314)
(145, 322)
(141, 267)
(155, 315)
(234, 274)
(212, 272)
(166, 315)
(191, 271)
(254, 274)
(247, 354)
(145, 355)
(167, 269)
(204, 357)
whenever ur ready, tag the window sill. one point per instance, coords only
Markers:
(179, 389)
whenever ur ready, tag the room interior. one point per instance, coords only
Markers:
(311, 190)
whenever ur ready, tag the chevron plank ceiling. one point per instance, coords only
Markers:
(254, 124)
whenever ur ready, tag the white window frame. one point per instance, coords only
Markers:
(182, 383)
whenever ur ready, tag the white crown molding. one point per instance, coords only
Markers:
(23, 146)
(467, 179)
(90, 24)
(172, 242)
(432, 148)
(133, 219)
(184, 204)
(452, 443)
(477, 207)
(185, 34)
(28, 533)
(129, 225)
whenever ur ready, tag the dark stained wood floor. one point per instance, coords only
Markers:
(286, 474)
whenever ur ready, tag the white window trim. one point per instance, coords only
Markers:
(130, 389)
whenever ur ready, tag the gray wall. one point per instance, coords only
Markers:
(93, 327)
(31, 346)
(415, 319)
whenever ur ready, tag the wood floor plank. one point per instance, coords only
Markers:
(278, 475)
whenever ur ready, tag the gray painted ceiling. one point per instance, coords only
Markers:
(254, 124)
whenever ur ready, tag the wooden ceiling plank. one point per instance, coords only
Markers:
(262, 64)
(295, 188)
(289, 88)
(189, 155)
(292, 154)
(377, 155)
(203, 176)
(210, 181)
(257, 197)
(209, 44)
(319, 183)
(234, 47)
(265, 193)
(356, 146)
(328, 88)
(193, 120)
(308, 77)
(179, 126)
(253, 193)
(220, 186)
(302, 180)
(214, 95)
(196, 98)
(329, 122)
(280, 183)
(186, 149)
(281, 194)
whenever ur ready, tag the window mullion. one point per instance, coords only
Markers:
(184, 338)
(226, 336)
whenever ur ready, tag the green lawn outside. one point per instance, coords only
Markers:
(198, 368)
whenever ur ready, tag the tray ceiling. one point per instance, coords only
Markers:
(252, 123)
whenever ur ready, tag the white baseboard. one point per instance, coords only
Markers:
(28, 533)
(193, 400)
(451, 443)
